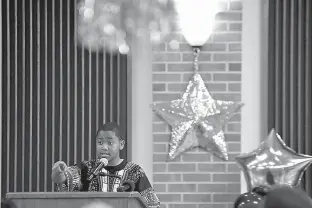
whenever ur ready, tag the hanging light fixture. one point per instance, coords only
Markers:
(197, 19)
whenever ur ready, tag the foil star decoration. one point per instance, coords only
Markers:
(197, 120)
(273, 163)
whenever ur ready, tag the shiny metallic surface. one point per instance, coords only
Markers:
(197, 120)
(273, 163)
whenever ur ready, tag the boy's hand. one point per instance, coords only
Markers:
(58, 170)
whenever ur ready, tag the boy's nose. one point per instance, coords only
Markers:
(105, 147)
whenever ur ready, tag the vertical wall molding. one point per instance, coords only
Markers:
(254, 76)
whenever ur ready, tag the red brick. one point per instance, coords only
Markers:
(190, 57)
(185, 47)
(162, 148)
(159, 157)
(182, 205)
(224, 197)
(189, 67)
(212, 188)
(160, 187)
(180, 67)
(196, 157)
(159, 167)
(159, 67)
(167, 177)
(166, 77)
(181, 167)
(169, 197)
(161, 137)
(234, 147)
(159, 127)
(193, 177)
(234, 87)
(159, 87)
(165, 97)
(206, 77)
(234, 187)
(227, 37)
(227, 96)
(226, 177)
(235, 47)
(236, 5)
(235, 27)
(212, 205)
(229, 16)
(227, 77)
(211, 167)
(232, 137)
(227, 57)
(166, 57)
(196, 198)
(211, 67)
(233, 168)
(220, 27)
(181, 187)
(212, 87)
(235, 67)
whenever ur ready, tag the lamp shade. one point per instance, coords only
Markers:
(196, 19)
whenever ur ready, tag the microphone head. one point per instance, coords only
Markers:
(104, 161)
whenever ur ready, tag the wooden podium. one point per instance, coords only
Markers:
(75, 199)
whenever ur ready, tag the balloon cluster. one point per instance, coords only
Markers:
(110, 24)
(279, 196)
(270, 170)
(273, 163)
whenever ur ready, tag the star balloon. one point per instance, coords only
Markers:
(273, 164)
(197, 120)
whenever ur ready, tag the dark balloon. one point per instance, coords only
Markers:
(248, 200)
(261, 190)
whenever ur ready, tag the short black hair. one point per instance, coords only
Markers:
(114, 127)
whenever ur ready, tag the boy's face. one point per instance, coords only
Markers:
(108, 145)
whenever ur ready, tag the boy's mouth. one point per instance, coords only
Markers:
(104, 155)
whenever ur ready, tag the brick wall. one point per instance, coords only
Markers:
(197, 179)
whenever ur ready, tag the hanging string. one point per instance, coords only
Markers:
(196, 55)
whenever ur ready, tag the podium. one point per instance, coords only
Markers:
(75, 199)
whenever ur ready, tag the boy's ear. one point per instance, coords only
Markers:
(122, 144)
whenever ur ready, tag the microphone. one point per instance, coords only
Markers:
(103, 163)
(127, 186)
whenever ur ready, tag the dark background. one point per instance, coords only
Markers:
(290, 75)
(55, 94)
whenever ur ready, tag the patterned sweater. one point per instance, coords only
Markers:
(126, 170)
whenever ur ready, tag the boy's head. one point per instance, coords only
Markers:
(287, 197)
(109, 141)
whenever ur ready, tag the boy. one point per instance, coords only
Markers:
(108, 144)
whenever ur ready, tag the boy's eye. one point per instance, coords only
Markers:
(100, 143)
